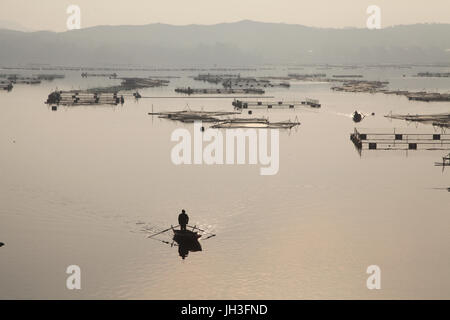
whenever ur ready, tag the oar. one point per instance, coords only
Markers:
(166, 242)
(163, 231)
(195, 227)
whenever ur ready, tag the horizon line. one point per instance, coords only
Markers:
(223, 23)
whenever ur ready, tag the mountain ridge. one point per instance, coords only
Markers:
(236, 43)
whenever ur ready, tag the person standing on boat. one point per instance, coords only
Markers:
(183, 220)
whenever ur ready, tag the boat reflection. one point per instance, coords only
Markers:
(187, 241)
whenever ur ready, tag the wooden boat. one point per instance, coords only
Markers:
(186, 240)
(357, 117)
(194, 234)
(185, 235)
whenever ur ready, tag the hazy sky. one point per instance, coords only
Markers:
(51, 14)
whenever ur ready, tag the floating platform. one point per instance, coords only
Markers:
(372, 140)
(361, 86)
(306, 76)
(236, 81)
(17, 79)
(6, 85)
(72, 98)
(242, 104)
(433, 74)
(428, 96)
(440, 119)
(49, 77)
(190, 91)
(194, 115)
(131, 84)
(106, 75)
(347, 76)
(313, 103)
(256, 123)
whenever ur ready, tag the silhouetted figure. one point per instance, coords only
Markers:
(183, 220)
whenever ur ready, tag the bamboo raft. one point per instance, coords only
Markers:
(217, 118)
(255, 123)
(194, 115)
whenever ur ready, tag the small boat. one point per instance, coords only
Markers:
(185, 235)
(186, 240)
(357, 117)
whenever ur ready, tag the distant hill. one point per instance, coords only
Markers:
(239, 43)
(13, 25)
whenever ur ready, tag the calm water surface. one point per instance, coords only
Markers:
(77, 184)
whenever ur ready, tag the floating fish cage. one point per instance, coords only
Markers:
(313, 103)
(236, 81)
(242, 104)
(190, 91)
(107, 75)
(373, 140)
(71, 98)
(49, 77)
(428, 96)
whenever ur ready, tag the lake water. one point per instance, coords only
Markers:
(77, 186)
